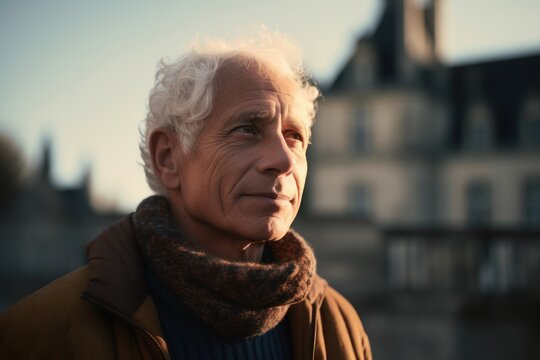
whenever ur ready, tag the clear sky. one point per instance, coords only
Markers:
(80, 71)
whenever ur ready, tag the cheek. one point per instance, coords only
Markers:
(300, 175)
(217, 176)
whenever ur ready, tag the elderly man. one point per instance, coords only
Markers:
(209, 268)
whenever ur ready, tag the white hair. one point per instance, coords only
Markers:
(182, 96)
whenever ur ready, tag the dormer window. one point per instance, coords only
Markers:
(364, 66)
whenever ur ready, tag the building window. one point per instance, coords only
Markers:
(361, 200)
(495, 267)
(361, 132)
(479, 130)
(413, 125)
(530, 122)
(478, 203)
(532, 203)
(408, 264)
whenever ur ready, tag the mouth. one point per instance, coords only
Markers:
(271, 196)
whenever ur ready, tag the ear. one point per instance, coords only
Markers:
(165, 150)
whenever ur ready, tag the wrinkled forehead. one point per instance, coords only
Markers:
(240, 75)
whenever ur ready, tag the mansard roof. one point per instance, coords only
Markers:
(384, 41)
(503, 84)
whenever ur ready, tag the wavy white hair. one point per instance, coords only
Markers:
(182, 96)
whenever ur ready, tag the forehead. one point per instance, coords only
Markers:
(242, 79)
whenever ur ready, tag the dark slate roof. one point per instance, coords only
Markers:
(503, 84)
(384, 41)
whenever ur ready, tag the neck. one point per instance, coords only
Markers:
(216, 242)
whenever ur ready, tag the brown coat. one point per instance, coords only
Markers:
(103, 311)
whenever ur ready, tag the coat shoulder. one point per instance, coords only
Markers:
(53, 300)
(52, 321)
(340, 318)
(337, 303)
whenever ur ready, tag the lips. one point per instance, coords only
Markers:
(271, 196)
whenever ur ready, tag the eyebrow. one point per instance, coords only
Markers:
(260, 113)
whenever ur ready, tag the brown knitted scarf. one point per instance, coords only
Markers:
(238, 299)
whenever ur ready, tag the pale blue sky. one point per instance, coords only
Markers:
(80, 71)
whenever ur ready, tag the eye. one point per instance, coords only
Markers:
(298, 136)
(295, 136)
(245, 129)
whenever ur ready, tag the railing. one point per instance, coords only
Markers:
(464, 261)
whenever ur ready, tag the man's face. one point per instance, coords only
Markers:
(245, 175)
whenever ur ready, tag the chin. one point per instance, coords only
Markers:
(270, 229)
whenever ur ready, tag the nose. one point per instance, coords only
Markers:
(276, 157)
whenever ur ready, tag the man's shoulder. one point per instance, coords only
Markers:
(339, 330)
(341, 322)
(49, 318)
(336, 304)
(54, 299)
(64, 292)
(332, 306)
(57, 289)
(329, 299)
(334, 300)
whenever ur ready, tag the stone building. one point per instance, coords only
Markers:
(403, 139)
(423, 198)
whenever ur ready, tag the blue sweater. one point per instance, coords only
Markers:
(188, 337)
